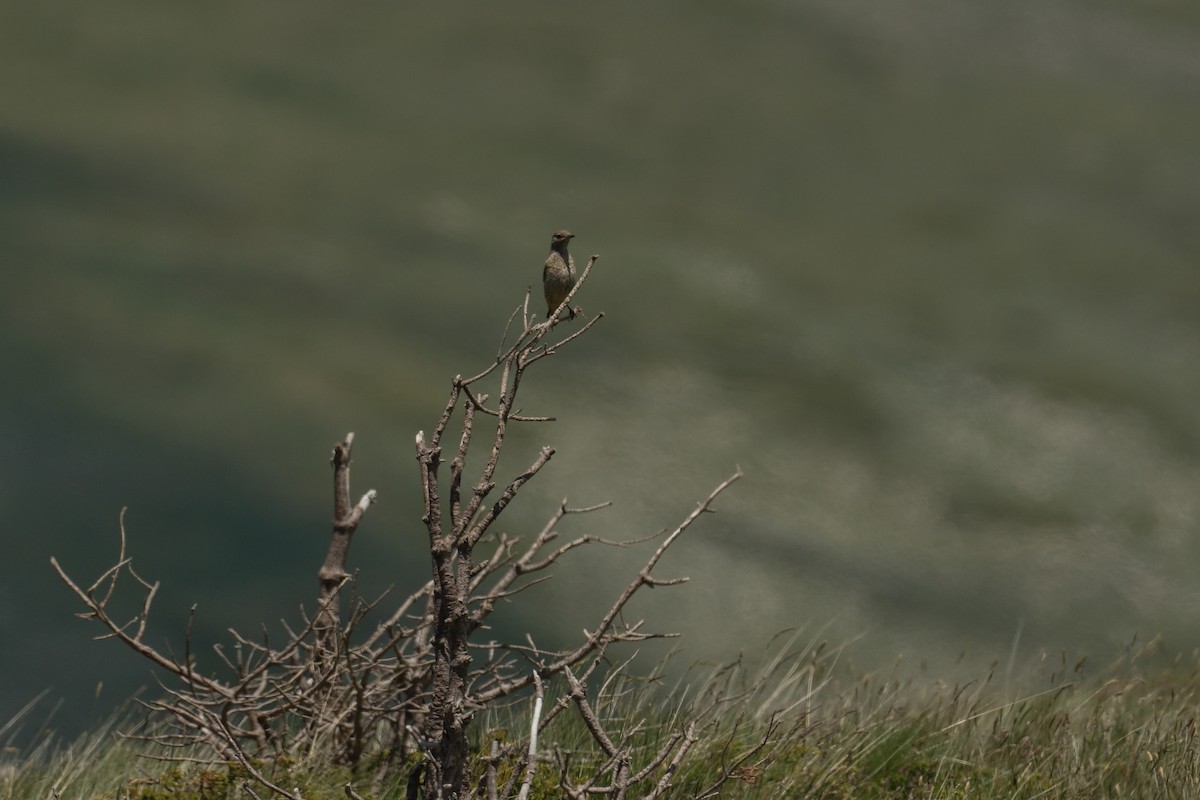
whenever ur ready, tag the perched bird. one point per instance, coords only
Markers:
(558, 276)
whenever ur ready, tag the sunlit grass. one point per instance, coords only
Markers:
(822, 732)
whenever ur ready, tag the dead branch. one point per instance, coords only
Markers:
(455, 572)
(531, 758)
(353, 689)
(607, 631)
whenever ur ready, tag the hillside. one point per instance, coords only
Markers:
(929, 277)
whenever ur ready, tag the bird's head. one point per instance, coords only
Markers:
(560, 238)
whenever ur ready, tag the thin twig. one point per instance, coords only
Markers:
(531, 758)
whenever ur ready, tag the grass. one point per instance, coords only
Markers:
(1128, 731)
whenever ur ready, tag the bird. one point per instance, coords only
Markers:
(558, 276)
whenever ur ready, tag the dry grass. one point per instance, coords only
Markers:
(798, 726)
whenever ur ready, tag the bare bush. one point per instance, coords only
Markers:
(386, 692)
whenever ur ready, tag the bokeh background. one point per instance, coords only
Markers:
(926, 270)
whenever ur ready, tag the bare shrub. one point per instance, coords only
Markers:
(384, 691)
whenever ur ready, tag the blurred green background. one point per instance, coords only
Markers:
(927, 271)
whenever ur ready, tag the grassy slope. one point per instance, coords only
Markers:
(929, 278)
(1115, 734)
